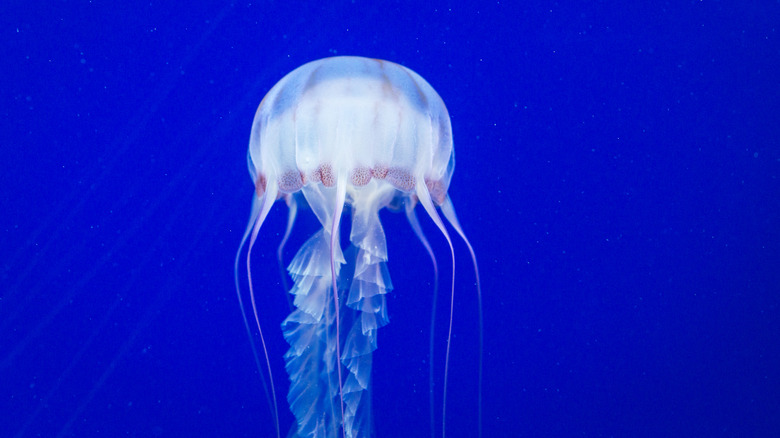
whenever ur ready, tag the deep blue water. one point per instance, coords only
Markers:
(617, 173)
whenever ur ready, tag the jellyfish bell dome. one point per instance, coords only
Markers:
(352, 120)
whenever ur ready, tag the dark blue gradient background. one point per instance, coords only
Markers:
(617, 173)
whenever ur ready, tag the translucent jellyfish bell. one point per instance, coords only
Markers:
(352, 119)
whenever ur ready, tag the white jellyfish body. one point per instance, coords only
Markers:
(366, 134)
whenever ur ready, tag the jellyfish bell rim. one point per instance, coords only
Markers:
(406, 141)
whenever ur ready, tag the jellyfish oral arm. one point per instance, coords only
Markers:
(310, 331)
(323, 405)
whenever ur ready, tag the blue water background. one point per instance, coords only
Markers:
(617, 173)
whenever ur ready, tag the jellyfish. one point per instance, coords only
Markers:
(345, 135)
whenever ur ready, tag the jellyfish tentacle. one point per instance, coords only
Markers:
(341, 193)
(292, 206)
(427, 202)
(260, 208)
(449, 213)
(255, 212)
(415, 223)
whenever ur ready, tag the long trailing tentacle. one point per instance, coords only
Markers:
(415, 223)
(292, 206)
(341, 195)
(449, 212)
(425, 199)
(255, 212)
(260, 209)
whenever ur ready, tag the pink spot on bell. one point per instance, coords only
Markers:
(360, 176)
(437, 191)
(260, 185)
(379, 171)
(291, 181)
(400, 178)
